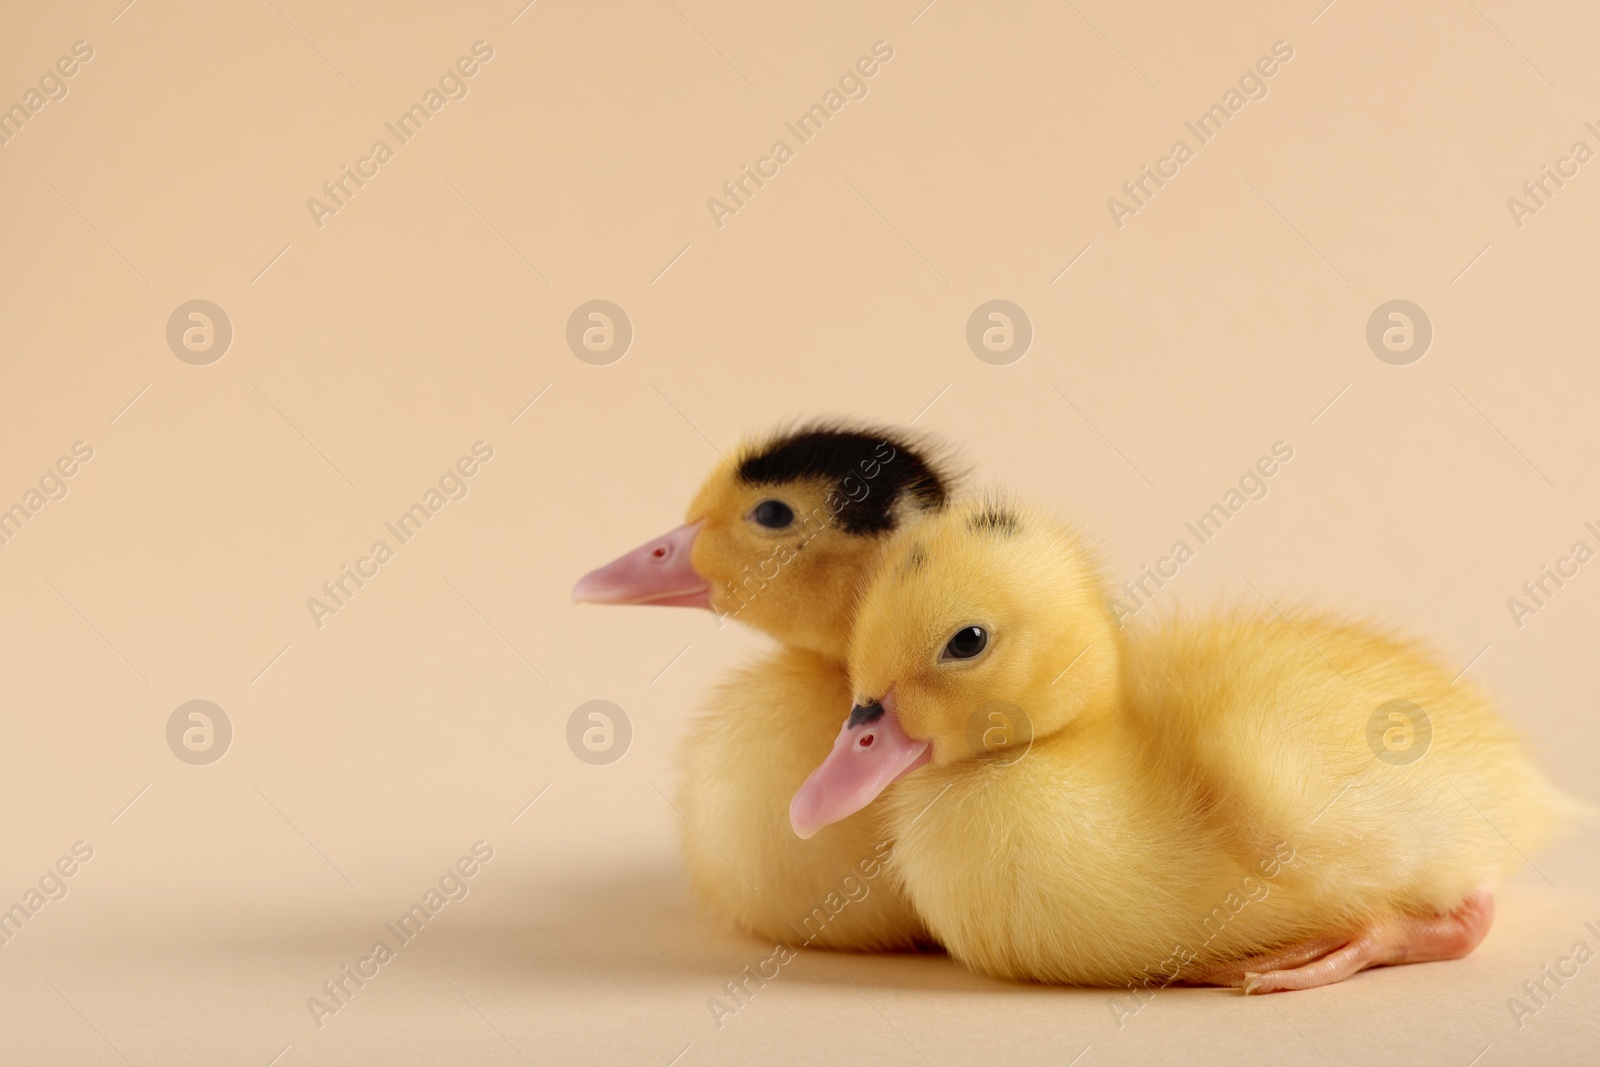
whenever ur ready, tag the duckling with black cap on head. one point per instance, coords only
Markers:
(782, 536)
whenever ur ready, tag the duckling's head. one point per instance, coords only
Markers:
(785, 532)
(985, 630)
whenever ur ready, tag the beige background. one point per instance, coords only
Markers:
(427, 314)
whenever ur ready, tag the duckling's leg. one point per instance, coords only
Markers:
(1403, 939)
(1234, 972)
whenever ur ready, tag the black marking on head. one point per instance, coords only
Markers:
(915, 560)
(861, 714)
(992, 519)
(869, 472)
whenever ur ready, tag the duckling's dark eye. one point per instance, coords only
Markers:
(774, 514)
(966, 643)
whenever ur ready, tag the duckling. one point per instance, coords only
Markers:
(781, 537)
(1225, 799)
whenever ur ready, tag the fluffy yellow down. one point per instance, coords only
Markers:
(1201, 790)
(767, 727)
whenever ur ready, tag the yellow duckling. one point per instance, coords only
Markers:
(1245, 799)
(782, 536)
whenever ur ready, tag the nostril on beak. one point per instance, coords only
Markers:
(866, 741)
(661, 552)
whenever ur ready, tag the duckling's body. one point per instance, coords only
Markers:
(1235, 797)
(1063, 867)
(844, 492)
(760, 734)
(1200, 802)
(1401, 787)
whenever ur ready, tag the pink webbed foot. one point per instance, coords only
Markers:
(1387, 943)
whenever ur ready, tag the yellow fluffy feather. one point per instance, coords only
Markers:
(766, 727)
(1173, 800)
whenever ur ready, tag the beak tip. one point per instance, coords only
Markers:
(804, 828)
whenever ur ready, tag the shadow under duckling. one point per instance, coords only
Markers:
(782, 536)
(1245, 799)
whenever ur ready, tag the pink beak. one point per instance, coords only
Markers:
(657, 572)
(870, 752)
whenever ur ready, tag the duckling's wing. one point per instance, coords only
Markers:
(1393, 785)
